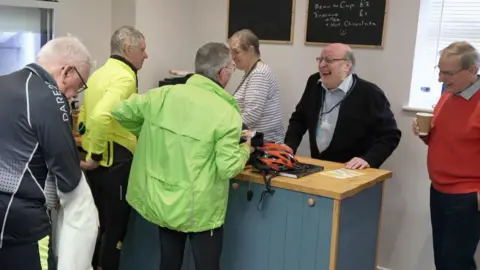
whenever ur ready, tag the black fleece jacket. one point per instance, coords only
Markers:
(366, 127)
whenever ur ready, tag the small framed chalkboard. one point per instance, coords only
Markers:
(359, 23)
(270, 20)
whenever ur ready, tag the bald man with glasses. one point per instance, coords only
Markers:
(348, 119)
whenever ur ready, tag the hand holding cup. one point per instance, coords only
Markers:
(422, 124)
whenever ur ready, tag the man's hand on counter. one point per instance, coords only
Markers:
(357, 163)
(89, 165)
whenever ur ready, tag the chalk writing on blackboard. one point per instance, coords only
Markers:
(350, 21)
(327, 14)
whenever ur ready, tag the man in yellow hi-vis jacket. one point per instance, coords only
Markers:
(109, 146)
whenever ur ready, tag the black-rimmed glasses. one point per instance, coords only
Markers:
(329, 60)
(84, 84)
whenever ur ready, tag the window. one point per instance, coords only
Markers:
(23, 31)
(441, 22)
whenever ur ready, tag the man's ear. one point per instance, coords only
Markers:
(349, 66)
(127, 49)
(66, 69)
(64, 72)
(219, 76)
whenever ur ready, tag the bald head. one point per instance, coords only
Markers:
(339, 47)
(335, 63)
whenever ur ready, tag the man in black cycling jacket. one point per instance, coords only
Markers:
(39, 162)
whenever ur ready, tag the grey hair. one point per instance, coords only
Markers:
(125, 35)
(469, 56)
(350, 56)
(211, 58)
(247, 38)
(67, 50)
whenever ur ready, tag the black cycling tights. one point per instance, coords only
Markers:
(206, 249)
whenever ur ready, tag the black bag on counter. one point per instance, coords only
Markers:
(174, 80)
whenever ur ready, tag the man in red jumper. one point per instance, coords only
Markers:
(454, 159)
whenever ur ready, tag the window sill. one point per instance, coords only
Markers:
(416, 109)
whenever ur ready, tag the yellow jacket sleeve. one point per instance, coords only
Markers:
(100, 119)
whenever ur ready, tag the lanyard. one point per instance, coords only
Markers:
(338, 103)
(246, 76)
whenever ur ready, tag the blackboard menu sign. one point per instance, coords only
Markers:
(270, 20)
(359, 23)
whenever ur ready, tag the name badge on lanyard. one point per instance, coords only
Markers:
(324, 126)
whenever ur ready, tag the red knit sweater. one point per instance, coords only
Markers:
(454, 145)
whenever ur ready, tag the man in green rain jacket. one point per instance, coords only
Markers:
(188, 149)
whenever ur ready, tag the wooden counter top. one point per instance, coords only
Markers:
(322, 185)
(317, 184)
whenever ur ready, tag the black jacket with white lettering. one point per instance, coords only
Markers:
(38, 155)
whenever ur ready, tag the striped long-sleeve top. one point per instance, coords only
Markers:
(259, 100)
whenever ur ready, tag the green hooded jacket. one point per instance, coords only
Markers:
(188, 149)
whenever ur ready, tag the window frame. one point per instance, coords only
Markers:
(48, 5)
(48, 10)
(30, 4)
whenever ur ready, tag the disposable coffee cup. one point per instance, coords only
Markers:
(424, 122)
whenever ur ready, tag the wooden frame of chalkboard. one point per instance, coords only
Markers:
(377, 41)
(288, 39)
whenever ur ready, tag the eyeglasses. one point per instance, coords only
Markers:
(447, 73)
(84, 84)
(329, 60)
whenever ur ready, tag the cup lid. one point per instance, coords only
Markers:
(424, 114)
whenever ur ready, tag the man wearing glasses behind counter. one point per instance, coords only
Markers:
(109, 146)
(348, 119)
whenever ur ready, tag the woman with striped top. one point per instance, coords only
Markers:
(258, 94)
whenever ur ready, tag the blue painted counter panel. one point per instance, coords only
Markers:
(288, 234)
(358, 230)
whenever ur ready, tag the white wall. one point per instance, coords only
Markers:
(90, 20)
(123, 13)
(169, 28)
